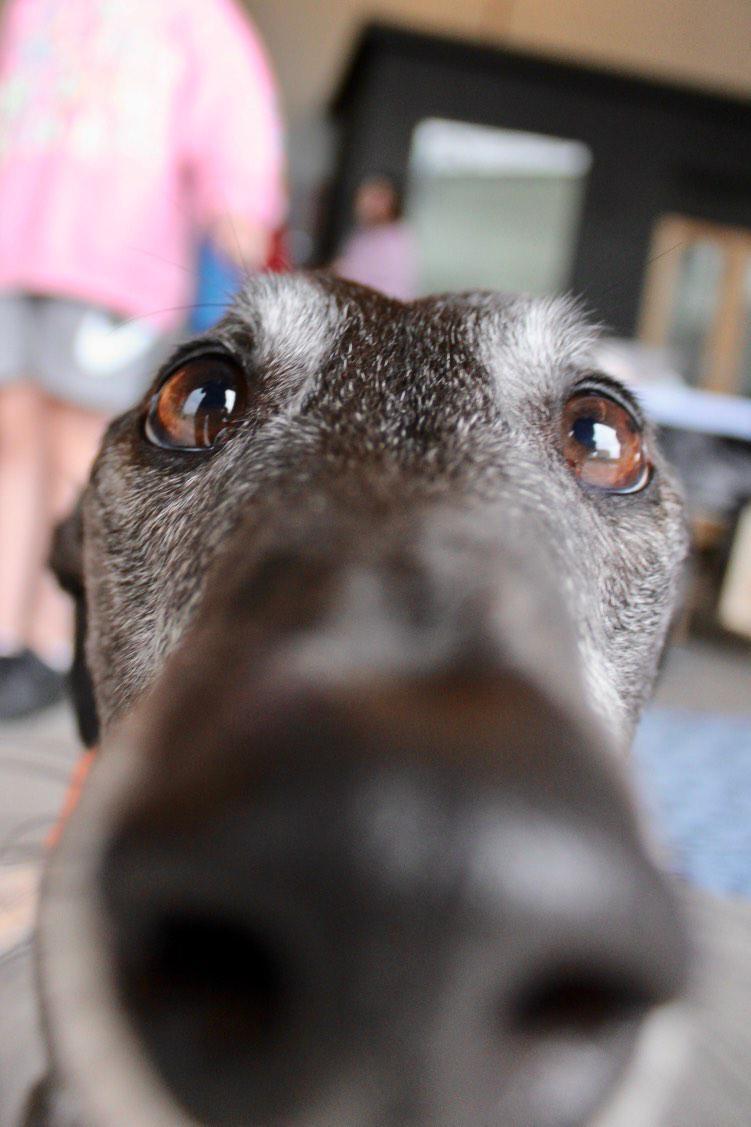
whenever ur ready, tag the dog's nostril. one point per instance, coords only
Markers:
(225, 978)
(213, 1000)
(576, 1002)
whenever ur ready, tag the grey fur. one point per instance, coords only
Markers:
(457, 401)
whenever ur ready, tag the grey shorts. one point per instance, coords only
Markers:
(77, 352)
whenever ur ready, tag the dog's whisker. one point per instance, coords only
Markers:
(167, 261)
(187, 308)
(620, 282)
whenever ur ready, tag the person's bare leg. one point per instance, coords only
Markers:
(74, 437)
(23, 523)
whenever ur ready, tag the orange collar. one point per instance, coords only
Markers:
(73, 793)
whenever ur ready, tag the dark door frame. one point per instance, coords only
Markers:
(656, 148)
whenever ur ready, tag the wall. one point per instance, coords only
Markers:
(689, 41)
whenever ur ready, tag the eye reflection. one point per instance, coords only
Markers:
(601, 441)
(196, 404)
(603, 444)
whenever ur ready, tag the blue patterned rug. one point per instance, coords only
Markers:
(695, 774)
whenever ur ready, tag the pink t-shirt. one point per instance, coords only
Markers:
(384, 257)
(125, 130)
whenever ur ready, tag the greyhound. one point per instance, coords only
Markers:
(370, 596)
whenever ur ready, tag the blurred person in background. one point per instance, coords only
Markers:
(127, 131)
(381, 250)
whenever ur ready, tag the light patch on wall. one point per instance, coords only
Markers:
(457, 147)
(494, 208)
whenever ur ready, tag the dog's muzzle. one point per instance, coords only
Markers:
(297, 894)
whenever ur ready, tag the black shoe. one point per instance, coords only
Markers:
(27, 685)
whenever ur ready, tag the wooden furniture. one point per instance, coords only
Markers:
(728, 330)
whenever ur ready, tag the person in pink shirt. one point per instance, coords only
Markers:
(126, 131)
(381, 251)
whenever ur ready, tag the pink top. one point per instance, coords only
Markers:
(383, 256)
(125, 129)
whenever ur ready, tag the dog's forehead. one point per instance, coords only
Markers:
(299, 324)
(291, 320)
(382, 412)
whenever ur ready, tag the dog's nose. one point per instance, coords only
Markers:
(461, 929)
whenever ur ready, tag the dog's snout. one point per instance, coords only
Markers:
(421, 937)
(355, 851)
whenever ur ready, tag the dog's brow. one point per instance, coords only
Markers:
(294, 322)
(600, 381)
(533, 345)
(189, 351)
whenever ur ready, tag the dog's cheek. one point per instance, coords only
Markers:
(81, 684)
(66, 562)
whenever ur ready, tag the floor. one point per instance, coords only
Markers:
(707, 677)
(36, 758)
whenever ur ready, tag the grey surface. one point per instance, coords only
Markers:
(22, 1060)
(707, 677)
(36, 758)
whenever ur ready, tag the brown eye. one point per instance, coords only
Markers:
(196, 404)
(603, 444)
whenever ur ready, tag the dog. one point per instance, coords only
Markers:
(370, 596)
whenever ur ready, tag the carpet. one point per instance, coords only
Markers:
(694, 772)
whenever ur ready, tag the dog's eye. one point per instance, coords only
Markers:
(603, 444)
(194, 407)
